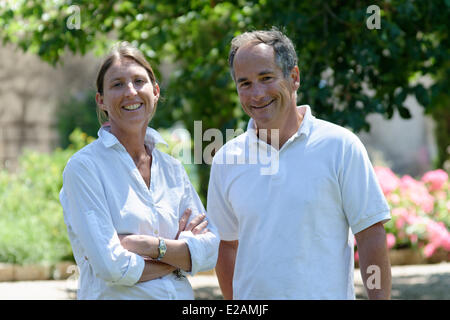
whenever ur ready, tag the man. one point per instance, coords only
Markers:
(286, 234)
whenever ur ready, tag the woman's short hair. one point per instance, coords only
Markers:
(285, 55)
(122, 50)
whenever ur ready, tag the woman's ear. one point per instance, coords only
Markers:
(99, 100)
(156, 91)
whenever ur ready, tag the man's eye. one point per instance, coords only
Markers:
(266, 78)
(139, 81)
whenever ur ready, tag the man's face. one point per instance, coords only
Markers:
(265, 95)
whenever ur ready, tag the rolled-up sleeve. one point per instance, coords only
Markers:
(203, 248)
(86, 213)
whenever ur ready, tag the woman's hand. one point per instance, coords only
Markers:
(196, 226)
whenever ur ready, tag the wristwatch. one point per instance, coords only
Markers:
(162, 248)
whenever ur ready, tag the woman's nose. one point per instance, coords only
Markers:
(130, 89)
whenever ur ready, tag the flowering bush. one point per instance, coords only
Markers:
(419, 209)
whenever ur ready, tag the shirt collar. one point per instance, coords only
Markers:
(304, 129)
(152, 137)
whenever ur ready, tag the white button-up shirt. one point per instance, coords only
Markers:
(293, 225)
(104, 195)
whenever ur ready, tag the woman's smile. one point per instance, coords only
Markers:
(133, 107)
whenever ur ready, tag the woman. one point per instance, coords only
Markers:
(126, 204)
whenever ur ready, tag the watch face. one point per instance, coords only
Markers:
(162, 248)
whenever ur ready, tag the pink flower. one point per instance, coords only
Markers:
(400, 222)
(390, 239)
(387, 179)
(417, 192)
(399, 212)
(438, 234)
(394, 198)
(407, 182)
(429, 250)
(446, 242)
(413, 238)
(436, 179)
(441, 195)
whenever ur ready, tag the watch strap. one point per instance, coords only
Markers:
(162, 248)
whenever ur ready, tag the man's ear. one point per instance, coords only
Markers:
(295, 77)
(99, 100)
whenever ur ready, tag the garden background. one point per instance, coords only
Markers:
(350, 70)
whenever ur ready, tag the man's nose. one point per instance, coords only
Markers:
(258, 92)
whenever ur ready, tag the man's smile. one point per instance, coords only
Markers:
(264, 106)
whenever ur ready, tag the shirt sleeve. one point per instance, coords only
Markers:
(85, 206)
(203, 248)
(219, 209)
(363, 201)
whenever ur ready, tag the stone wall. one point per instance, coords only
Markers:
(31, 91)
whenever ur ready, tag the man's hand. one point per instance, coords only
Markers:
(196, 226)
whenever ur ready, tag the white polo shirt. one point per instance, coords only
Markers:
(104, 195)
(293, 226)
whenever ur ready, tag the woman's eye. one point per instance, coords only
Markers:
(266, 78)
(117, 84)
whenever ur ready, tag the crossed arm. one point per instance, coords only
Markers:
(177, 255)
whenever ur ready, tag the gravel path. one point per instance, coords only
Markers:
(416, 282)
(408, 282)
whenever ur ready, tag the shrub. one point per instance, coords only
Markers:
(419, 209)
(32, 225)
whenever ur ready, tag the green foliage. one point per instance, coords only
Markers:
(32, 224)
(77, 112)
(347, 70)
(441, 116)
(179, 140)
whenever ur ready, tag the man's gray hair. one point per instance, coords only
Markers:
(285, 55)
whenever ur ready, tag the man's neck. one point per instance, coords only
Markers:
(278, 136)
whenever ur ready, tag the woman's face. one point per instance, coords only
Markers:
(129, 96)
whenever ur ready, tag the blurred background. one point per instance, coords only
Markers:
(379, 68)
